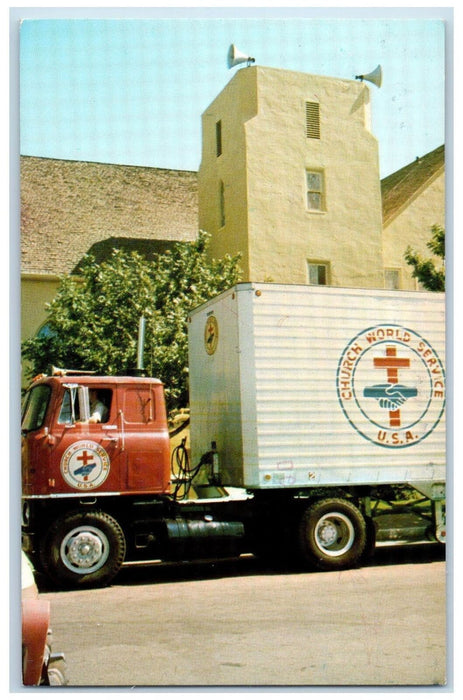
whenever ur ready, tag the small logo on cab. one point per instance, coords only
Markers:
(85, 465)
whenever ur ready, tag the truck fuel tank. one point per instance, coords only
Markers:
(195, 538)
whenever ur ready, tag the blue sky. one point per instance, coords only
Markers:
(132, 91)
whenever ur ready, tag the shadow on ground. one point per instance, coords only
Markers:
(249, 566)
(153, 573)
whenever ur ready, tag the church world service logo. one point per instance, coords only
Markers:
(391, 386)
(85, 465)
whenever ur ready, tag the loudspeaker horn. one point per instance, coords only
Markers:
(60, 372)
(235, 57)
(375, 77)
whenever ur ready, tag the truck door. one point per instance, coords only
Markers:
(86, 456)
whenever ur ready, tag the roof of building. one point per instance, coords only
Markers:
(69, 208)
(399, 188)
(101, 250)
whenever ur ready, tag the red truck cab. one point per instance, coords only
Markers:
(64, 452)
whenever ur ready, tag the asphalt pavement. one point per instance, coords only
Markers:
(240, 625)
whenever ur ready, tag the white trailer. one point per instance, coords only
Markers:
(317, 430)
(312, 389)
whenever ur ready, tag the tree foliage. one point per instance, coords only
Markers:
(425, 270)
(92, 323)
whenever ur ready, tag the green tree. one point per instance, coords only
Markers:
(425, 270)
(92, 323)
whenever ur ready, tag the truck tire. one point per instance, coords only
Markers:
(332, 534)
(83, 549)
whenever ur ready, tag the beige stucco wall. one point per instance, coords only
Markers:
(412, 227)
(36, 291)
(232, 107)
(265, 157)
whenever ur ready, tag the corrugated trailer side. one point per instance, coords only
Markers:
(214, 384)
(317, 386)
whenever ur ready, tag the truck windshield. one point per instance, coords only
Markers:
(35, 407)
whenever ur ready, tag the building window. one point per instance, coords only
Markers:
(218, 138)
(392, 278)
(318, 272)
(314, 189)
(312, 120)
(45, 331)
(221, 204)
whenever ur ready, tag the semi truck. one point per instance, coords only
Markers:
(317, 431)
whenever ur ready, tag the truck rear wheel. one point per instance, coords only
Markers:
(83, 549)
(332, 534)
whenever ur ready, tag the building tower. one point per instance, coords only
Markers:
(289, 177)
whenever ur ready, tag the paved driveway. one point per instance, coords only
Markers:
(239, 625)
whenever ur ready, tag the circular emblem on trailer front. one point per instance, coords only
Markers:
(85, 465)
(211, 335)
(391, 386)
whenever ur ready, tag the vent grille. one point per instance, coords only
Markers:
(312, 120)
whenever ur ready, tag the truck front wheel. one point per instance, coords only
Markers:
(83, 549)
(332, 534)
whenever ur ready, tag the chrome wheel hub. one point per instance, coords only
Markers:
(84, 549)
(334, 534)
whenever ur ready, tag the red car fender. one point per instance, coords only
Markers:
(35, 624)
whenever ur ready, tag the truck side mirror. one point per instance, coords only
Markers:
(84, 403)
(76, 405)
